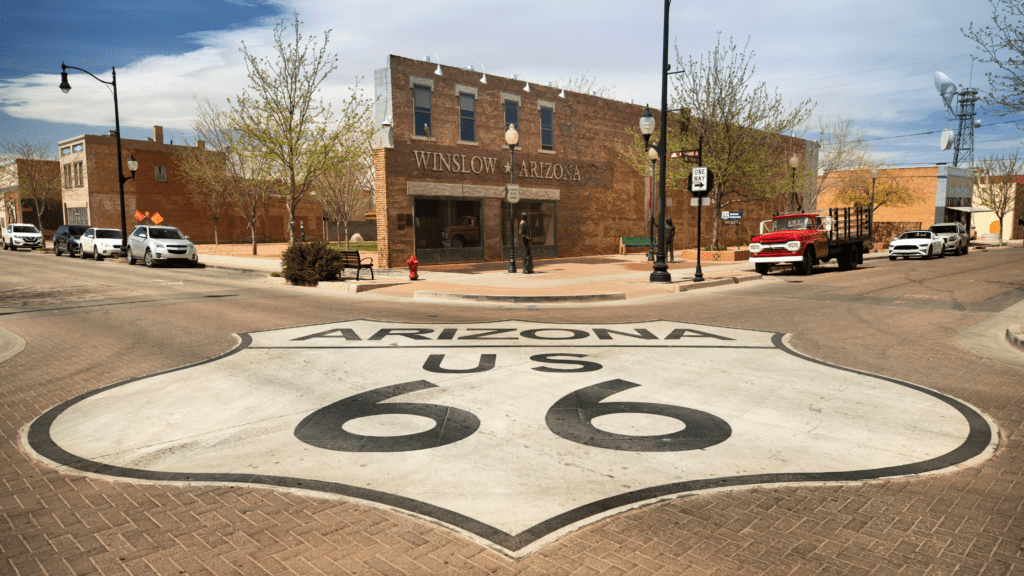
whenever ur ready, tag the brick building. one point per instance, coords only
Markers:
(940, 194)
(442, 165)
(90, 193)
(18, 205)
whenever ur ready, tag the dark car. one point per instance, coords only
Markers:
(66, 239)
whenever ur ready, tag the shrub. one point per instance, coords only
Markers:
(306, 264)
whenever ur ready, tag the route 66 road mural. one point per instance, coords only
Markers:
(515, 432)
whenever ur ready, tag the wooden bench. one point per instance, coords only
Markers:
(626, 242)
(350, 259)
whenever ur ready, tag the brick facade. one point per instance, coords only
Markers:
(158, 190)
(18, 205)
(597, 197)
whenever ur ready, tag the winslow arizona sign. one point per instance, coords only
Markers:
(512, 432)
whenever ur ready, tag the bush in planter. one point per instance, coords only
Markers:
(307, 263)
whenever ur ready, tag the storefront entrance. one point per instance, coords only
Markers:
(542, 217)
(448, 230)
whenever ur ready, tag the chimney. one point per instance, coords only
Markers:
(158, 134)
(200, 144)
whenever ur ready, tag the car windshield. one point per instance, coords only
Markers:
(915, 235)
(26, 229)
(165, 233)
(943, 229)
(791, 224)
(108, 233)
(77, 230)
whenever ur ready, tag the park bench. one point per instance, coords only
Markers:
(626, 242)
(350, 259)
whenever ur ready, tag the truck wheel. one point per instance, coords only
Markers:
(848, 258)
(457, 242)
(763, 269)
(806, 267)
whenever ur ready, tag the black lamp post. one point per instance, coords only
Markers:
(133, 165)
(660, 273)
(794, 163)
(871, 215)
(652, 153)
(511, 138)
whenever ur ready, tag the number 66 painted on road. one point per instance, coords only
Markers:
(569, 418)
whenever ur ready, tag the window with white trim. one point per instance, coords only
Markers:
(547, 128)
(421, 110)
(467, 118)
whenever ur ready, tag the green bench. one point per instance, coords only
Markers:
(626, 242)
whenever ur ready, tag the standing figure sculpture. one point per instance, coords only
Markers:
(670, 236)
(524, 235)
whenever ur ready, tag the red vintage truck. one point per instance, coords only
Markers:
(804, 240)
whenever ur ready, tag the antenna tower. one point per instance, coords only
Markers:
(963, 142)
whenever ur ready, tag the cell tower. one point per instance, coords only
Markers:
(963, 140)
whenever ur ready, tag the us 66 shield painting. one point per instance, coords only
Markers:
(514, 432)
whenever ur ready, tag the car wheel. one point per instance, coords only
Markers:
(148, 259)
(81, 254)
(191, 263)
(965, 249)
(56, 250)
(457, 242)
(806, 267)
(927, 256)
(96, 255)
(942, 251)
(131, 259)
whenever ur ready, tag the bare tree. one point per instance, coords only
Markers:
(343, 193)
(282, 115)
(841, 148)
(740, 122)
(234, 164)
(204, 170)
(33, 168)
(1003, 42)
(996, 184)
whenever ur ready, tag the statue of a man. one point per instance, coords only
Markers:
(670, 236)
(524, 235)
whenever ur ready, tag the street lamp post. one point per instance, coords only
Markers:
(133, 165)
(794, 163)
(511, 138)
(660, 273)
(871, 215)
(646, 129)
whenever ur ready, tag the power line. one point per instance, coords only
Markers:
(932, 132)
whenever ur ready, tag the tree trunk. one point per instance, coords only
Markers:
(216, 224)
(346, 234)
(39, 219)
(252, 228)
(714, 226)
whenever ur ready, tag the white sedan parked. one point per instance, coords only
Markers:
(923, 243)
(100, 242)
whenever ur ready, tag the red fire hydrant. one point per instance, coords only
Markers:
(412, 263)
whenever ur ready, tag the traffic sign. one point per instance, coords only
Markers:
(157, 218)
(727, 215)
(513, 193)
(687, 155)
(700, 179)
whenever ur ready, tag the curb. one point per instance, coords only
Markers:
(716, 282)
(10, 344)
(236, 269)
(1015, 338)
(508, 299)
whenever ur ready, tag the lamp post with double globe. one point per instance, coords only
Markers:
(133, 165)
(794, 163)
(511, 139)
(646, 129)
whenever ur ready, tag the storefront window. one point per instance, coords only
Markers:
(448, 230)
(543, 225)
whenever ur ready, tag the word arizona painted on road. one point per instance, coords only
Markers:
(560, 333)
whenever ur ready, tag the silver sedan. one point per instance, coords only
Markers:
(922, 243)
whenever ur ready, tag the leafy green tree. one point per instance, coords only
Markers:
(282, 115)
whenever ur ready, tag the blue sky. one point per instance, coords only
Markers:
(870, 60)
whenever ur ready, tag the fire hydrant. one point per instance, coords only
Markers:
(412, 263)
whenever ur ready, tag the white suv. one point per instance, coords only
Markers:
(153, 244)
(954, 235)
(22, 236)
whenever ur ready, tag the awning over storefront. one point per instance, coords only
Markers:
(968, 208)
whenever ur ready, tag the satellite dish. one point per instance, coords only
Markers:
(946, 88)
(977, 123)
(946, 140)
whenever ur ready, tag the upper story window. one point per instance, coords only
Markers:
(467, 118)
(161, 173)
(79, 177)
(421, 109)
(547, 128)
(511, 114)
(67, 175)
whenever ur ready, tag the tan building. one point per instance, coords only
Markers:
(442, 166)
(939, 194)
(91, 196)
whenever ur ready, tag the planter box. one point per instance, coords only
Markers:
(716, 255)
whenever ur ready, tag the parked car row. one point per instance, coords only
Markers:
(151, 244)
(935, 241)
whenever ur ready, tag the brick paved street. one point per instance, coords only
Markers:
(87, 325)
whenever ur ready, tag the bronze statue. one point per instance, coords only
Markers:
(670, 236)
(524, 234)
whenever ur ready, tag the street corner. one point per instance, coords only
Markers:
(512, 432)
